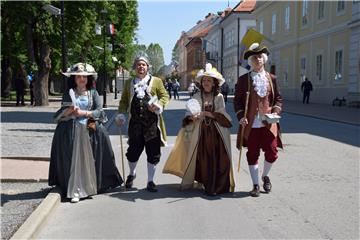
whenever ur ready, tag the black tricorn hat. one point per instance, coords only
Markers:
(255, 49)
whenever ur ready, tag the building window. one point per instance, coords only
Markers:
(198, 58)
(321, 7)
(303, 66)
(340, 6)
(285, 72)
(261, 26)
(273, 24)
(304, 12)
(319, 67)
(338, 65)
(287, 18)
(303, 63)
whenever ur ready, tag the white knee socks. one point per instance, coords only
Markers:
(254, 173)
(267, 167)
(132, 166)
(151, 171)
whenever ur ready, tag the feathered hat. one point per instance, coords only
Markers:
(211, 72)
(83, 69)
(255, 49)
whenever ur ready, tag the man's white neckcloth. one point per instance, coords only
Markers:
(141, 86)
(260, 82)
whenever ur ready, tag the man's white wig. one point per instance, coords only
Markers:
(141, 57)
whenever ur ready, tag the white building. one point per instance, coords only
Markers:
(223, 42)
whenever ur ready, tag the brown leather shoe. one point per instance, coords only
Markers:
(256, 191)
(267, 184)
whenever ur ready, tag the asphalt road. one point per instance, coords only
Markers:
(315, 194)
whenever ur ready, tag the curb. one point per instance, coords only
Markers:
(26, 158)
(13, 180)
(33, 224)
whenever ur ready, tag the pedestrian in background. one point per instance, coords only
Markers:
(306, 88)
(144, 99)
(31, 87)
(82, 161)
(169, 87)
(202, 151)
(225, 91)
(176, 88)
(20, 83)
(264, 99)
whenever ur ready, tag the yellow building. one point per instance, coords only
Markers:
(312, 39)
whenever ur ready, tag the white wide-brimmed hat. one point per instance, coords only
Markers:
(210, 71)
(83, 69)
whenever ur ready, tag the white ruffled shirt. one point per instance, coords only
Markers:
(261, 84)
(141, 86)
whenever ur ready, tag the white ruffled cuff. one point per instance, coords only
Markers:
(158, 112)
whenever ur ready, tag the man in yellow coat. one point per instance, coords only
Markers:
(144, 99)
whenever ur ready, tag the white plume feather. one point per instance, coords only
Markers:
(208, 67)
(254, 46)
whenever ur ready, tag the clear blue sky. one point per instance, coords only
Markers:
(162, 21)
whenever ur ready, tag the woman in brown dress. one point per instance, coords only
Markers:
(202, 151)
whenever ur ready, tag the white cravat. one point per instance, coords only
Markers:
(260, 83)
(140, 86)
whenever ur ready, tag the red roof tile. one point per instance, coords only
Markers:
(245, 6)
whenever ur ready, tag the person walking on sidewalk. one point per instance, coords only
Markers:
(144, 99)
(176, 88)
(202, 150)
(306, 88)
(82, 161)
(264, 98)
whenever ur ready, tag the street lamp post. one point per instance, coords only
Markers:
(104, 12)
(56, 11)
(63, 46)
(116, 62)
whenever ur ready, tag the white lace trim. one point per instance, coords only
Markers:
(260, 83)
(141, 86)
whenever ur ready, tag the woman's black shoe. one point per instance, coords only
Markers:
(256, 191)
(151, 187)
(129, 181)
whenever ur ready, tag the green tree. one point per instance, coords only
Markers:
(156, 57)
(175, 54)
(33, 37)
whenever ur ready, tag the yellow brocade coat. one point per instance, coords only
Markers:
(182, 159)
(156, 89)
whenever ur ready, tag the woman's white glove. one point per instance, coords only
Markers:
(120, 119)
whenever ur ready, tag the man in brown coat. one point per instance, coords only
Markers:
(259, 133)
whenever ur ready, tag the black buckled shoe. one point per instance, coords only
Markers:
(256, 191)
(129, 181)
(151, 187)
(267, 184)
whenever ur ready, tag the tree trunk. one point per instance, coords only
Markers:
(41, 91)
(6, 78)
